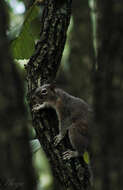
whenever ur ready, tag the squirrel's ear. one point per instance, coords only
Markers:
(53, 86)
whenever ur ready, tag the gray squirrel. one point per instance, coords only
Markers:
(72, 115)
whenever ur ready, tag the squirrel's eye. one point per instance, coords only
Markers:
(44, 91)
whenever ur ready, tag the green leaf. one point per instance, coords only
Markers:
(86, 157)
(23, 46)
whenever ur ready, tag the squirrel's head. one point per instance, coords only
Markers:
(45, 93)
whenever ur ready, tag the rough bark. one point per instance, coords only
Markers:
(108, 34)
(16, 171)
(42, 68)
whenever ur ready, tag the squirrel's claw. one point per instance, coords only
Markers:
(57, 139)
(36, 107)
(69, 154)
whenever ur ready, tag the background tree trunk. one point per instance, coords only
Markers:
(76, 73)
(16, 171)
(80, 62)
(42, 68)
(109, 91)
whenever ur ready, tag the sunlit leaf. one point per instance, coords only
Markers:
(86, 157)
(23, 46)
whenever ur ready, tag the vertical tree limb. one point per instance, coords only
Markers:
(42, 68)
(80, 49)
(108, 89)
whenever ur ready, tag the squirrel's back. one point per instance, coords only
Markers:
(73, 103)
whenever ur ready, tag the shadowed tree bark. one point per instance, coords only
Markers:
(41, 69)
(108, 43)
(16, 171)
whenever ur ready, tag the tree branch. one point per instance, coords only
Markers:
(42, 68)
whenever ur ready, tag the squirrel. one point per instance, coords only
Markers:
(72, 115)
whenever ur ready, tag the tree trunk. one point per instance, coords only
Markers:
(108, 33)
(16, 171)
(80, 62)
(41, 69)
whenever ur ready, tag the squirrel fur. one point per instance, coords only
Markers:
(72, 114)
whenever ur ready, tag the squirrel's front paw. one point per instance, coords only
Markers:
(36, 108)
(57, 139)
(69, 154)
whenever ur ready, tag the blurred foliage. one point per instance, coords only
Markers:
(44, 175)
(65, 58)
(93, 18)
(16, 23)
(23, 46)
